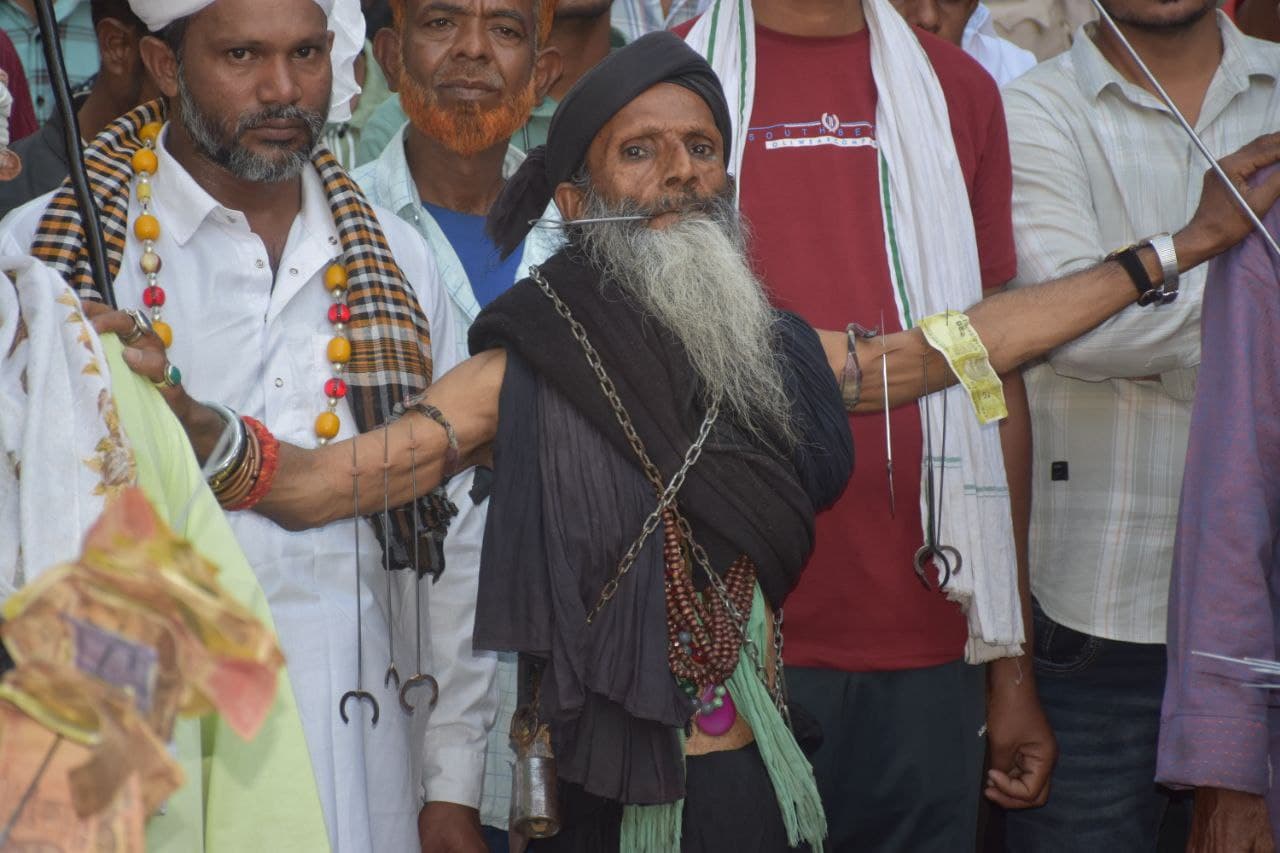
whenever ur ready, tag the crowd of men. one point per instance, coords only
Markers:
(583, 357)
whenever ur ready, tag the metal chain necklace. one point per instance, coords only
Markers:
(666, 502)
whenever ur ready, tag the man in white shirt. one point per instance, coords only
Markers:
(227, 229)
(1100, 163)
(968, 25)
(468, 81)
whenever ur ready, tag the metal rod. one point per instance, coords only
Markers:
(75, 155)
(31, 789)
(1182, 120)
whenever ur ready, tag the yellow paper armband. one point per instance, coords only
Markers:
(952, 335)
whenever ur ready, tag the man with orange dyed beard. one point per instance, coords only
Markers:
(469, 73)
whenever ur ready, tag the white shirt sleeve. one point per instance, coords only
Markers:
(1057, 232)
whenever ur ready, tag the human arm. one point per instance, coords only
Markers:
(1230, 822)
(1022, 324)
(313, 487)
(1214, 729)
(1019, 739)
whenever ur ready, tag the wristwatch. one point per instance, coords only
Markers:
(1149, 292)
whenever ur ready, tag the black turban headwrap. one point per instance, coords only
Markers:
(660, 57)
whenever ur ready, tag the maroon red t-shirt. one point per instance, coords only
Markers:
(811, 198)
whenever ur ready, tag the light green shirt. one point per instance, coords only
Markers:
(237, 795)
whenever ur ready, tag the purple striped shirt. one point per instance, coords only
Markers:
(1225, 595)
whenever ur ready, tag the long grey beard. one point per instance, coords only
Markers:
(693, 278)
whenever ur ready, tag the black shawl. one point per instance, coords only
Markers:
(569, 497)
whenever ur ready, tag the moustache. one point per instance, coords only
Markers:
(312, 120)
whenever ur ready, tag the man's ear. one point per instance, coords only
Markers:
(547, 68)
(161, 63)
(570, 200)
(115, 46)
(387, 50)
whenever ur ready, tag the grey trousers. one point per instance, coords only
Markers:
(900, 766)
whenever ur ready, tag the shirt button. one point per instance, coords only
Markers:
(259, 263)
(293, 270)
(279, 382)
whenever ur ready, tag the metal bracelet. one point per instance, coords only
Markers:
(1162, 245)
(233, 454)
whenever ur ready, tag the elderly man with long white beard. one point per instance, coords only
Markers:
(262, 269)
(638, 381)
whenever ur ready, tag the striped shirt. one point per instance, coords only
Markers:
(1098, 164)
(79, 47)
(634, 18)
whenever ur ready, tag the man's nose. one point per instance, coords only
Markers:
(678, 169)
(278, 83)
(471, 41)
(926, 16)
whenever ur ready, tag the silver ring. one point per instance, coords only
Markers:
(171, 378)
(141, 326)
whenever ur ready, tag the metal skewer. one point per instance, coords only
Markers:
(1182, 120)
(418, 677)
(359, 694)
(888, 436)
(392, 673)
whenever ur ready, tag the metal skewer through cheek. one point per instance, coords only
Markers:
(1195, 137)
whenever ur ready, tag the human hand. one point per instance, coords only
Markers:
(10, 164)
(1230, 822)
(450, 828)
(1219, 223)
(1020, 744)
(144, 351)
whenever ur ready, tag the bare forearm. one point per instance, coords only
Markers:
(1015, 441)
(318, 486)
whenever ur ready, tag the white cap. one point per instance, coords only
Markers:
(346, 22)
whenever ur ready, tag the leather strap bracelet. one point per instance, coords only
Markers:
(1132, 264)
(851, 375)
(451, 455)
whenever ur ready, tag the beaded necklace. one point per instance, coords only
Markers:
(703, 643)
(147, 229)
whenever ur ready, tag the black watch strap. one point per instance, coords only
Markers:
(1128, 258)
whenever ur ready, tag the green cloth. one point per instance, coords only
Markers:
(657, 828)
(238, 796)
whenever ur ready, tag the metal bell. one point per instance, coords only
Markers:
(535, 808)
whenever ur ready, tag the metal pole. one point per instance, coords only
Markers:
(1182, 120)
(75, 156)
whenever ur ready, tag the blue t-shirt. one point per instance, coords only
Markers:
(489, 275)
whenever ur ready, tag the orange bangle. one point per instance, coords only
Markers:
(269, 447)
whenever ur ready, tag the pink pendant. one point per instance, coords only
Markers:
(715, 721)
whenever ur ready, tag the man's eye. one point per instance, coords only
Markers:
(507, 32)
(238, 53)
(633, 152)
(307, 52)
(438, 23)
(702, 149)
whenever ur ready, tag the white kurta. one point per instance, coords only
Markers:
(257, 344)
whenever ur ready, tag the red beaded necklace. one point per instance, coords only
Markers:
(703, 642)
(147, 229)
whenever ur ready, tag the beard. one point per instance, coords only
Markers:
(1153, 23)
(224, 146)
(466, 128)
(693, 278)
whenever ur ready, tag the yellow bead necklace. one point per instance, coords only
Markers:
(147, 229)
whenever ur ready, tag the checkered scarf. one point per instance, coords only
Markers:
(390, 340)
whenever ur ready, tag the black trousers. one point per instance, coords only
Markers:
(729, 807)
